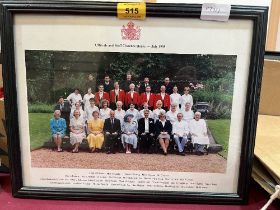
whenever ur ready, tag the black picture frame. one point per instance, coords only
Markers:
(272, 55)
(3, 153)
(9, 8)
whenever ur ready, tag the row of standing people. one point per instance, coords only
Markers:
(140, 86)
(133, 97)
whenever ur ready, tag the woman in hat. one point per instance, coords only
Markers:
(129, 133)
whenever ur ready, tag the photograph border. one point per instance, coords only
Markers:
(9, 8)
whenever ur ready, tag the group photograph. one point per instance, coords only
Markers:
(129, 111)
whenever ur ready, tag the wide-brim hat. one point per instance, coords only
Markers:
(128, 115)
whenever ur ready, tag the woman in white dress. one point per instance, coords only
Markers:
(105, 110)
(158, 110)
(77, 131)
(175, 98)
(186, 97)
(198, 131)
(133, 111)
(187, 113)
(87, 97)
(80, 109)
(119, 112)
(145, 107)
(171, 115)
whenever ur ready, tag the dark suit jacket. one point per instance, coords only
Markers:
(167, 127)
(125, 85)
(141, 126)
(168, 88)
(142, 88)
(108, 127)
(109, 87)
(65, 110)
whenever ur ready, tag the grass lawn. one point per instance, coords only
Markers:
(220, 132)
(39, 124)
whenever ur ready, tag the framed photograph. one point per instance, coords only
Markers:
(156, 110)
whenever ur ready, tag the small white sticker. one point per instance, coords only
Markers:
(216, 12)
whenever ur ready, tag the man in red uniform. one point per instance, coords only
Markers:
(164, 97)
(132, 97)
(101, 95)
(148, 97)
(116, 94)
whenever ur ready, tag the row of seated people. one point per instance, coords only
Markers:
(145, 130)
(132, 97)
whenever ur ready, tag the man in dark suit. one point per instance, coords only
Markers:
(65, 109)
(168, 86)
(146, 131)
(112, 130)
(125, 84)
(145, 84)
(108, 85)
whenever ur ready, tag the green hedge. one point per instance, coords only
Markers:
(212, 97)
(40, 108)
(219, 103)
